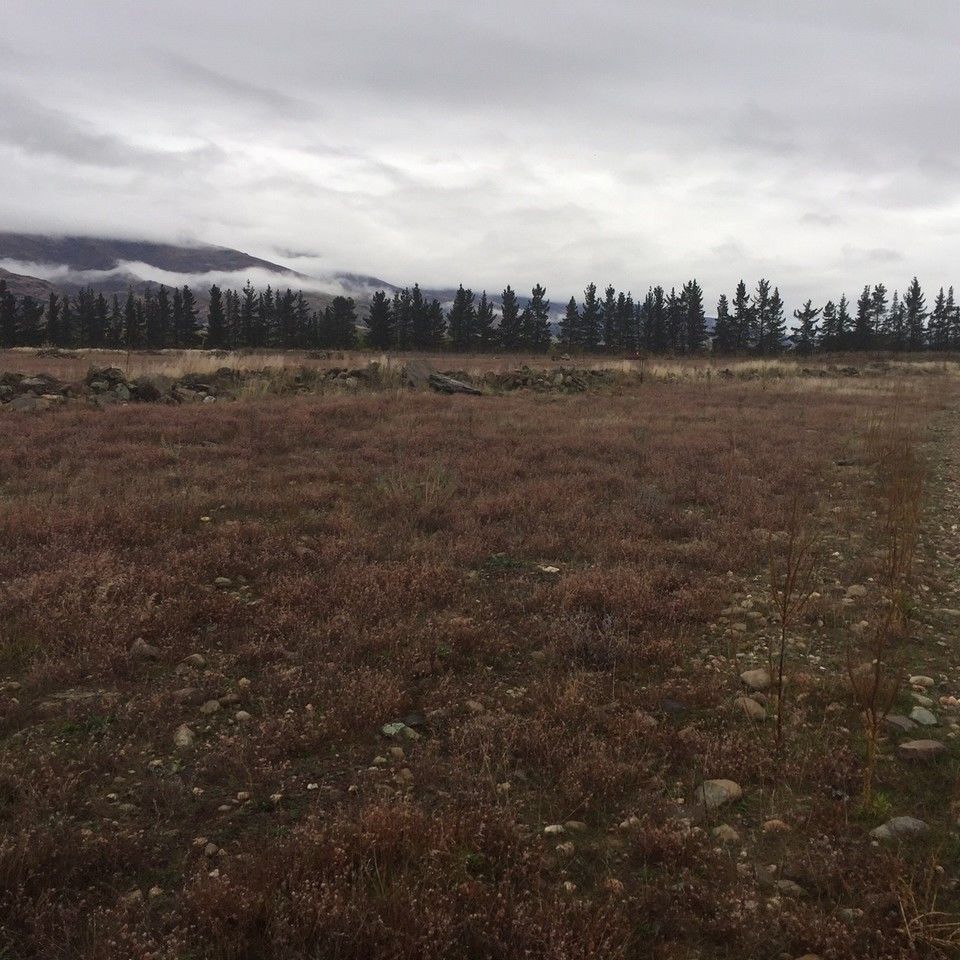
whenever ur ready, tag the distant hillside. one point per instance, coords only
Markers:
(93, 253)
(21, 286)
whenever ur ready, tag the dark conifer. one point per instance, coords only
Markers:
(916, 314)
(509, 320)
(216, 321)
(805, 334)
(380, 331)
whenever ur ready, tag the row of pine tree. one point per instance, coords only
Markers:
(662, 322)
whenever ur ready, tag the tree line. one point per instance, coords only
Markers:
(660, 322)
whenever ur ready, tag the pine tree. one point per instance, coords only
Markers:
(915, 304)
(695, 333)
(248, 316)
(380, 330)
(610, 319)
(66, 331)
(862, 338)
(776, 324)
(844, 324)
(461, 320)
(485, 332)
(302, 322)
(189, 326)
(29, 325)
(421, 333)
(163, 319)
(570, 324)
(132, 333)
(805, 335)
(658, 339)
(8, 316)
(953, 319)
(101, 321)
(627, 321)
(761, 317)
(176, 316)
(723, 332)
(939, 323)
(401, 319)
(537, 328)
(51, 329)
(878, 313)
(285, 332)
(436, 324)
(115, 334)
(590, 319)
(676, 322)
(829, 337)
(509, 320)
(897, 324)
(342, 323)
(743, 322)
(216, 322)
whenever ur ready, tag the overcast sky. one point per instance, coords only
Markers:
(633, 142)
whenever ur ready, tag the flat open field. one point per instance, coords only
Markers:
(388, 673)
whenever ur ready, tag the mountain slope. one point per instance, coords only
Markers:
(24, 286)
(94, 253)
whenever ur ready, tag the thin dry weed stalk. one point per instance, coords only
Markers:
(791, 583)
(925, 925)
(875, 683)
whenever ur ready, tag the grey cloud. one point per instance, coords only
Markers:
(235, 89)
(510, 141)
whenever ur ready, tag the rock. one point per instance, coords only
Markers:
(474, 706)
(896, 721)
(856, 591)
(210, 707)
(756, 679)
(567, 849)
(790, 889)
(148, 389)
(575, 826)
(553, 830)
(183, 737)
(400, 730)
(444, 384)
(921, 681)
(416, 373)
(712, 794)
(141, 650)
(196, 660)
(241, 716)
(223, 583)
(923, 716)
(726, 834)
(899, 827)
(186, 695)
(122, 392)
(26, 403)
(211, 850)
(921, 750)
(750, 707)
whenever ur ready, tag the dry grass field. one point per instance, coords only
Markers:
(387, 673)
